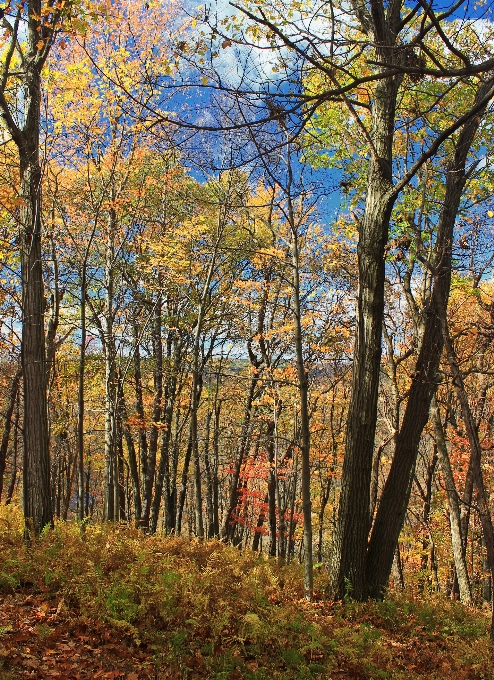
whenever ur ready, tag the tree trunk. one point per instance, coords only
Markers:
(8, 425)
(149, 477)
(143, 443)
(36, 467)
(270, 434)
(37, 500)
(454, 507)
(134, 472)
(162, 484)
(111, 502)
(303, 389)
(13, 476)
(395, 496)
(229, 522)
(350, 542)
(80, 397)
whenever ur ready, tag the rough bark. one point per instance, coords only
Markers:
(80, 396)
(394, 499)
(454, 507)
(303, 389)
(162, 485)
(36, 467)
(110, 507)
(134, 471)
(8, 425)
(26, 136)
(150, 471)
(349, 548)
(13, 476)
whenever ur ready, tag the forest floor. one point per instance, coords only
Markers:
(111, 603)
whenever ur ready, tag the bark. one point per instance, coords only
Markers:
(350, 542)
(260, 523)
(394, 499)
(163, 482)
(13, 476)
(454, 507)
(150, 471)
(211, 466)
(8, 425)
(36, 455)
(324, 501)
(143, 443)
(303, 389)
(215, 467)
(109, 512)
(134, 471)
(120, 477)
(183, 489)
(270, 433)
(428, 547)
(349, 549)
(229, 523)
(397, 570)
(36, 466)
(80, 396)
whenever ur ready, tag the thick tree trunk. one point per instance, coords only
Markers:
(36, 468)
(350, 542)
(37, 500)
(394, 499)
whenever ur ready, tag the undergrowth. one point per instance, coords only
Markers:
(206, 610)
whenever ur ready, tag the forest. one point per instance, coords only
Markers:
(246, 332)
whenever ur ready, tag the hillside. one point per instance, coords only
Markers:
(112, 603)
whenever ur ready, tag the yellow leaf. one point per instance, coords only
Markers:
(40, 44)
(204, 80)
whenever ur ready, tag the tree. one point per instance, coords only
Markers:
(367, 57)
(21, 76)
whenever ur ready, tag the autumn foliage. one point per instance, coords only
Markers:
(113, 603)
